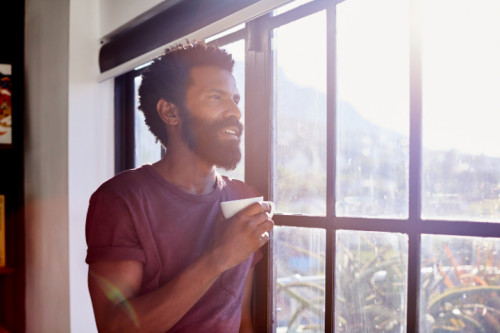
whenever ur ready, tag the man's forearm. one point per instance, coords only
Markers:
(160, 310)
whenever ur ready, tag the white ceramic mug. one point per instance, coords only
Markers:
(230, 208)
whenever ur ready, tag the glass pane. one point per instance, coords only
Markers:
(459, 284)
(237, 50)
(372, 108)
(147, 150)
(299, 181)
(461, 110)
(299, 280)
(370, 281)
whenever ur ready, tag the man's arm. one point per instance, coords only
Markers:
(114, 285)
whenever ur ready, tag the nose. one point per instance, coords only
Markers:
(233, 110)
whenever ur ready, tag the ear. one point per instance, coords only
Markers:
(168, 112)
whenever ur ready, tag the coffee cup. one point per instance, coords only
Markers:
(230, 208)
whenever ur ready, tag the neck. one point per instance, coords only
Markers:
(187, 172)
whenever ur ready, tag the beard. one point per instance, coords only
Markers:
(202, 138)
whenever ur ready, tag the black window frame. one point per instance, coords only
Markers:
(259, 115)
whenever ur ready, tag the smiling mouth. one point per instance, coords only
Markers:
(232, 132)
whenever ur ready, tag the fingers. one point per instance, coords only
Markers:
(258, 224)
(260, 219)
(253, 221)
(262, 232)
(257, 208)
(264, 238)
(264, 227)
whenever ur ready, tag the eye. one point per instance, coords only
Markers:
(236, 99)
(215, 97)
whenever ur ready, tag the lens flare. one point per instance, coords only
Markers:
(115, 296)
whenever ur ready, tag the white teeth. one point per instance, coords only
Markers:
(230, 132)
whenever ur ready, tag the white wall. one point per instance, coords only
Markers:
(69, 152)
(90, 146)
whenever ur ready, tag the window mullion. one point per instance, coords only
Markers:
(330, 167)
(415, 114)
(258, 147)
(415, 167)
(258, 151)
(124, 122)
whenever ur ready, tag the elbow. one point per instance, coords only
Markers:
(118, 322)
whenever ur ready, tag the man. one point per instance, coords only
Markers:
(161, 257)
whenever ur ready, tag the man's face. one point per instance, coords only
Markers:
(211, 117)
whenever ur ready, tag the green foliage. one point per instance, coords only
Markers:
(460, 285)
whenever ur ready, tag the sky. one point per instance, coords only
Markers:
(460, 76)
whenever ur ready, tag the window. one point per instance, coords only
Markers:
(134, 143)
(374, 124)
(147, 149)
(236, 47)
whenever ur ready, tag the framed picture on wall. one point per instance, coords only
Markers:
(5, 105)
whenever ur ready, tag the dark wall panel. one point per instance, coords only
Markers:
(12, 283)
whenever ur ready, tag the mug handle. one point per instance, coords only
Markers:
(272, 210)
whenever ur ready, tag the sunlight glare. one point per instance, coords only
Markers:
(461, 75)
(373, 60)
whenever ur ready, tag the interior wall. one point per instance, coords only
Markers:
(69, 153)
(46, 165)
(90, 147)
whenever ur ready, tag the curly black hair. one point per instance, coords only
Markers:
(168, 78)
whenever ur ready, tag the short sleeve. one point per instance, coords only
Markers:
(110, 231)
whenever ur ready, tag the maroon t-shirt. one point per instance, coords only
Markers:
(138, 215)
